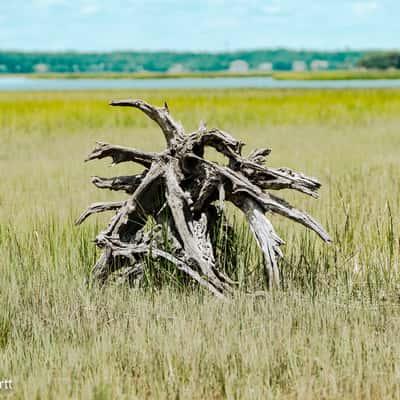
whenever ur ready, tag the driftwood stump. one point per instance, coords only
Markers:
(185, 193)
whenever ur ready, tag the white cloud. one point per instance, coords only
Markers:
(273, 8)
(86, 7)
(89, 9)
(362, 8)
(48, 3)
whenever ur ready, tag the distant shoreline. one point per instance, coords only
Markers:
(284, 75)
(137, 75)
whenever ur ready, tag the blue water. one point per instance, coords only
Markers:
(21, 84)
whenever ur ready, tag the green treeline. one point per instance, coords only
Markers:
(74, 62)
(381, 60)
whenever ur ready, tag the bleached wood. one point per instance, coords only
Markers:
(171, 129)
(184, 194)
(99, 208)
(121, 154)
(126, 183)
(265, 235)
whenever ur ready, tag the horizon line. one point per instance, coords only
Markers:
(231, 51)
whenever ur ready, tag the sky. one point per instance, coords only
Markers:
(198, 25)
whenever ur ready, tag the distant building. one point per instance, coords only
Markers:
(299, 66)
(265, 67)
(177, 69)
(239, 66)
(319, 65)
(41, 68)
(96, 67)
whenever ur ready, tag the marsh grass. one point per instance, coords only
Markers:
(337, 75)
(331, 332)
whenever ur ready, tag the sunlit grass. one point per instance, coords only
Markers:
(330, 333)
(337, 75)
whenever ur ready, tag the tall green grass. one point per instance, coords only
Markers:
(337, 75)
(331, 332)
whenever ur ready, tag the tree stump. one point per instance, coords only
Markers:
(185, 192)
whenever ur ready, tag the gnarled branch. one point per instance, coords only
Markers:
(171, 129)
(99, 208)
(180, 191)
(126, 183)
(121, 154)
(265, 236)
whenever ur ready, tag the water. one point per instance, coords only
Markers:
(23, 83)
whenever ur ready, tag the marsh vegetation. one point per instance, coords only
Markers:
(331, 332)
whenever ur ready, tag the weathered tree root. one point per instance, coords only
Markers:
(178, 188)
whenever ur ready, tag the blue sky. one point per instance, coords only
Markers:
(214, 25)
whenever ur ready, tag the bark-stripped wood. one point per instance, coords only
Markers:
(182, 191)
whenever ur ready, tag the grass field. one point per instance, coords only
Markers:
(337, 75)
(331, 332)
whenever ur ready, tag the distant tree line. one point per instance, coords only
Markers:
(279, 59)
(385, 60)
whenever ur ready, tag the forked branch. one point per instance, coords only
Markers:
(121, 154)
(171, 129)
